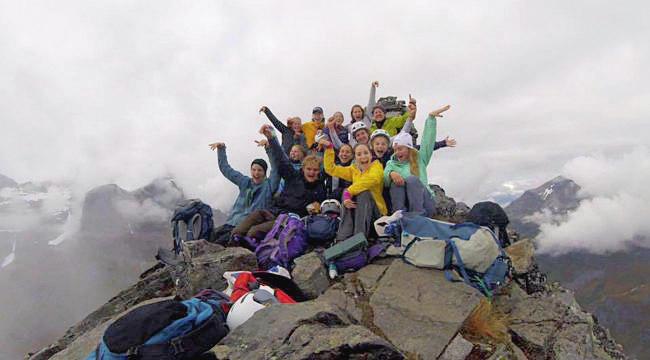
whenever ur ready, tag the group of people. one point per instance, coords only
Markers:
(371, 166)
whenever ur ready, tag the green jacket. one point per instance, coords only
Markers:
(424, 156)
(391, 125)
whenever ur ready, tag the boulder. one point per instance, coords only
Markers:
(457, 349)
(309, 330)
(522, 255)
(445, 205)
(551, 325)
(418, 310)
(310, 275)
(206, 270)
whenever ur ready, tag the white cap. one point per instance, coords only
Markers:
(404, 139)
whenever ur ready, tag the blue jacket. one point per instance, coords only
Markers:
(251, 196)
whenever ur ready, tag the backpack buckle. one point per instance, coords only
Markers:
(177, 346)
(133, 353)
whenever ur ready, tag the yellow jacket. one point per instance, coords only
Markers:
(371, 180)
(310, 129)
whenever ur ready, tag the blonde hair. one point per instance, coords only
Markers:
(312, 160)
(414, 162)
(301, 148)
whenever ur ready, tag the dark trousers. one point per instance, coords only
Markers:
(412, 197)
(359, 219)
(256, 224)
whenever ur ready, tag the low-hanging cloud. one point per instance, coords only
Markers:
(614, 217)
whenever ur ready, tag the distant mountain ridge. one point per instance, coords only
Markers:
(614, 287)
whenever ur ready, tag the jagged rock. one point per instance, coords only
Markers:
(6, 181)
(445, 206)
(158, 284)
(206, 271)
(457, 349)
(551, 325)
(310, 330)
(200, 247)
(462, 210)
(522, 255)
(310, 275)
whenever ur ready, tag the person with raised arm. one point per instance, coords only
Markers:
(303, 188)
(377, 114)
(406, 172)
(335, 130)
(255, 191)
(362, 201)
(291, 132)
(336, 185)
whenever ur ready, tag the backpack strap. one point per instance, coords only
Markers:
(192, 344)
(459, 262)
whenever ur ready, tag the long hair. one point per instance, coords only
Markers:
(363, 112)
(414, 162)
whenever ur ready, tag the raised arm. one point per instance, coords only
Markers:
(429, 136)
(371, 103)
(331, 132)
(282, 128)
(228, 172)
(439, 144)
(279, 158)
(343, 172)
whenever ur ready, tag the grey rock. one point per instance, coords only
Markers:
(310, 275)
(445, 206)
(206, 271)
(458, 349)
(522, 255)
(462, 210)
(309, 330)
(418, 310)
(6, 181)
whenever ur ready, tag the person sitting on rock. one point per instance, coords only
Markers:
(291, 133)
(406, 172)
(335, 128)
(336, 185)
(363, 201)
(303, 187)
(255, 191)
(311, 128)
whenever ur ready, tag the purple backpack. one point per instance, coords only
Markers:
(285, 242)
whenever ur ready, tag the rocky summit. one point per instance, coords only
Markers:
(386, 310)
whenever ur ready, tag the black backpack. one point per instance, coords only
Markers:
(492, 215)
(166, 330)
(192, 220)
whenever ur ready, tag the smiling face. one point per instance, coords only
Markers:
(362, 154)
(317, 116)
(378, 115)
(380, 145)
(362, 136)
(338, 117)
(257, 173)
(401, 152)
(357, 113)
(311, 168)
(345, 153)
(296, 154)
(296, 125)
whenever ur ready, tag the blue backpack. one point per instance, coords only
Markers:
(321, 229)
(285, 242)
(471, 250)
(166, 330)
(192, 220)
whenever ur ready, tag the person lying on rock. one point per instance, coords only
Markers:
(302, 188)
(363, 201)
(291, 133)
(255, 191)
(406, 172)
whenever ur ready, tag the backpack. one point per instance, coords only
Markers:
(492, 215)
(351, 254)
(286, 241)
(471, 250)
(321, 229)
(166, 330)
(192, 220)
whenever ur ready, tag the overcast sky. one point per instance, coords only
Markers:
(124, 91)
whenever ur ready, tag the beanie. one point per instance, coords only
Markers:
(262, 163)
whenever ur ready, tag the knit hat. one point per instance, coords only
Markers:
(403, 139)
(317, 109)
(262, 163)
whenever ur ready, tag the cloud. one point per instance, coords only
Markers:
(615, 216)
